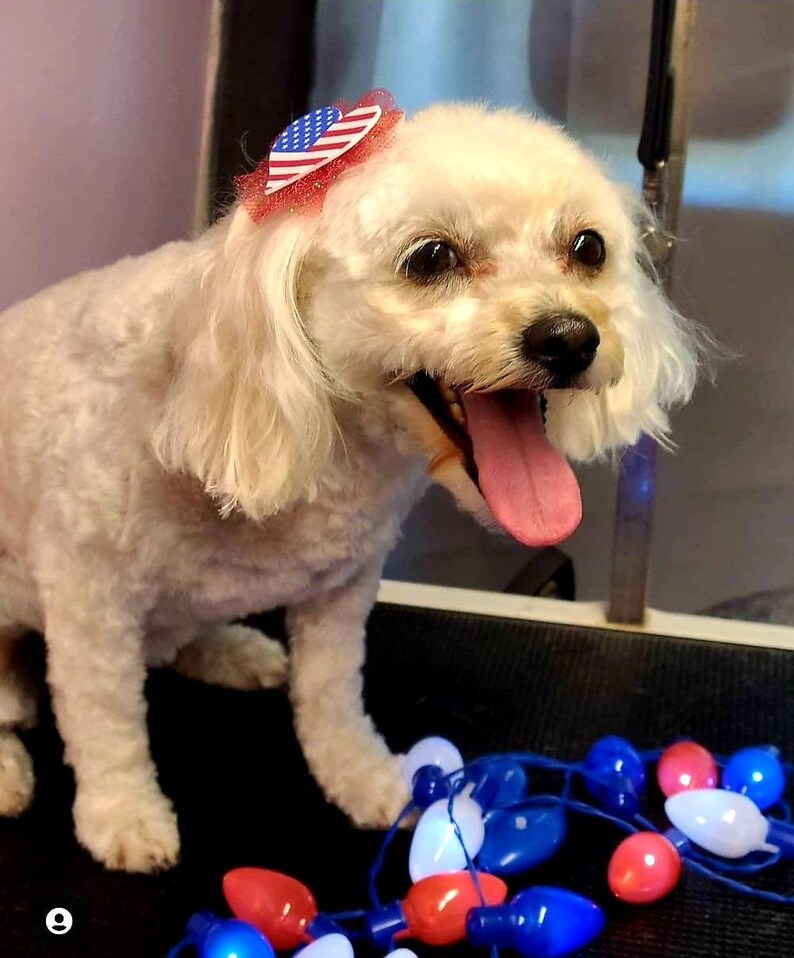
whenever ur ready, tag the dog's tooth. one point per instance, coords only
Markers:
(448, 393)
(458, 415)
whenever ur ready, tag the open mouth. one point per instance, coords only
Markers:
(445, 406)
(528, 485)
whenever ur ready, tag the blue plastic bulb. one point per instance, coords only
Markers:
(517, 839)
(540, 922)
(619, 797)
(615, 775)
(220, 938)
(498, 782)
(757, 773)
(615, 754)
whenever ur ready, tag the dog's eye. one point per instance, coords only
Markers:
(588, 249)
(431, 259)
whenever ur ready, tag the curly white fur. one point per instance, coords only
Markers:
(221, 427)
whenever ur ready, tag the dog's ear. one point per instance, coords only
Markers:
(663, 356)
(250, 409)
(669, 352)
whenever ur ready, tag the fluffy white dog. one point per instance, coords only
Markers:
(242, 422)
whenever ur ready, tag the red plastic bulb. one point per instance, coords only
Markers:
(281, 907)
(644, 868)
(435, 909)
(685, 766)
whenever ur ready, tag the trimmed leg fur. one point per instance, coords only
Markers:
(235, 657)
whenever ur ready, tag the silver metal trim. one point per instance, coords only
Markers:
(662, 189)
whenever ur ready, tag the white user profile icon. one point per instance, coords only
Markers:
(58, 921)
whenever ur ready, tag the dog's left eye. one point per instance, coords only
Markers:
(431, 259)
(588, 249)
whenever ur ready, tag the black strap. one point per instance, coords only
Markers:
(654, 145)
(264, 81)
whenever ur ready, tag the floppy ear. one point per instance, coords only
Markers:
(662, 355)
(250, 409)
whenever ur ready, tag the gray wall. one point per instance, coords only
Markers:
(725, 515)
(100, 116)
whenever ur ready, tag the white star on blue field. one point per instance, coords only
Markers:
(301, 134)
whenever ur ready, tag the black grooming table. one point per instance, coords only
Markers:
(244, 797)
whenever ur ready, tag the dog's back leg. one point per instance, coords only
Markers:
(16, 775)
(234, 656)
(17, 709)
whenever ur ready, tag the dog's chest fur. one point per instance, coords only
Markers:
(225, 568)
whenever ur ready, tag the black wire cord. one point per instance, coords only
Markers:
(654, 146)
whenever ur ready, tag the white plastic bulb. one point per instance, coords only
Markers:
(327, 946)
(431, 751)
(725, 823)
(435, 847)
(402, 953)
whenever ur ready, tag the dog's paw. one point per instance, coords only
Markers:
(16, 775)
(376, 796)
(236, 657)
(133, 833)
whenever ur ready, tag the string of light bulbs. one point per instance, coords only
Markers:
(478, 825)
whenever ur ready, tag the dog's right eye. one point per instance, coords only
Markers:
(431, 259)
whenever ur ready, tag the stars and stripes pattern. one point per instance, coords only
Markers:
(314, 140)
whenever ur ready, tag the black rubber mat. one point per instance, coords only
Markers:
(235, 772)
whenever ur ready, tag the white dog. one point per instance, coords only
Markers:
(243, 421)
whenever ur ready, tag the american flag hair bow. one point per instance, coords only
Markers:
(313, 150)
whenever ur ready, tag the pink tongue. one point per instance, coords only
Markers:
(529, 487)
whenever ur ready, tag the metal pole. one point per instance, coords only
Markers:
(662, 152)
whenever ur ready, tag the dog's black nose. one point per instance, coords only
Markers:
(565, 343)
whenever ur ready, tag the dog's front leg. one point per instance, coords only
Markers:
(96, 671)
(346, 755)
